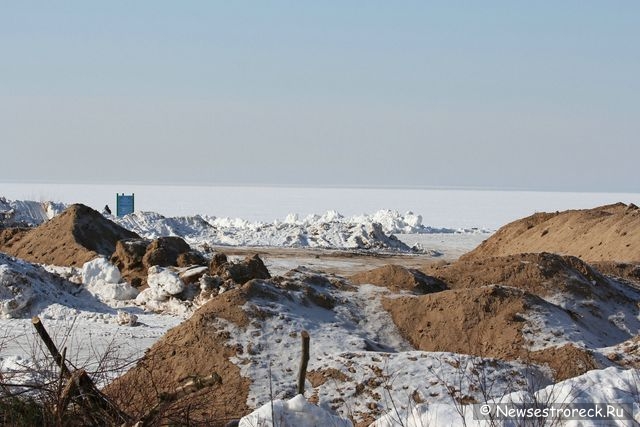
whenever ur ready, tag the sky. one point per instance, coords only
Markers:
(494, 94)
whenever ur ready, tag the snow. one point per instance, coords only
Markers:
(294, 412)
(160, 297)
(330, 230)
(356, 339)
(103, 280)
(597, 387)
(98, 271)
(164, 282)
(274, 216)
(368, 368)
(595, 318)
(27, 213)
(90, 324)
(26, 289)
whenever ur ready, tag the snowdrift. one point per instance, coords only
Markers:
(328, 231)
(23, 213)
(92, 319)
(580, 393)
(27, 290)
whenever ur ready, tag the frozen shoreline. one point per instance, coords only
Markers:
(440, 208)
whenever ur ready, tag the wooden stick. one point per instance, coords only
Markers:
(44, 335)
(88, 392)
(304, 361)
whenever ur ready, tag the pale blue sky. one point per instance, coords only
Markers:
(501, 94)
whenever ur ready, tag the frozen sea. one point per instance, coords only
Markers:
(441, 208)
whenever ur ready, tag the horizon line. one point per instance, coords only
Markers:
(315, 186)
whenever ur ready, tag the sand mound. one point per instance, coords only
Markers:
(197, 348)
(541, 274)
(72, 238)
(622, 270)
(202, 345)
(485, 321)
(8, 236)
(396, 278)
(606, 233)
(487, 318)
(530, 307)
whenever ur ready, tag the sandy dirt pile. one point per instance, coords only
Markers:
(485, 321)
(250, 268)
(624, 270)
(530, 307)
(397, 278)
(541, 274)
(11, 234)
(76, 236)
(202, 346)
(510, 299)
(195, 349)
(605, 233)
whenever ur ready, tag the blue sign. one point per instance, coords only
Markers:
(124, 204)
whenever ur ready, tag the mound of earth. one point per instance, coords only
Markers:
(197, 348)
(525, 306)
(486, 321)
(134, 257)
(240, 272)
(606, 233)
(543, 274)
(76, 236)
(200, 347)
(622, 270)
(566, 281)
(10, 235)
(396, 278)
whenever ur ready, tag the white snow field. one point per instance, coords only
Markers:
(88, 319)
(91, 311)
